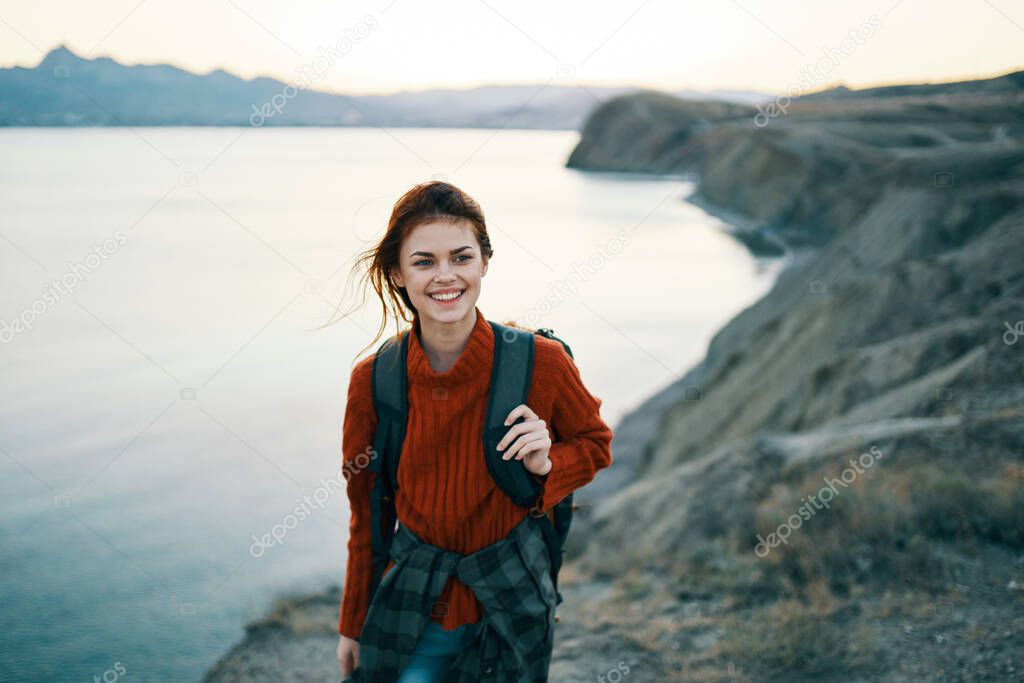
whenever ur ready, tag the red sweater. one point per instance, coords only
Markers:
(446, 495)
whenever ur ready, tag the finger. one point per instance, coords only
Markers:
(533, 447)
(515, 412)
(518, 429)
(521, 409)
(524, 432)
(522, 441)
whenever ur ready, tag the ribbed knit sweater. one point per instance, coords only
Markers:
(446, 494)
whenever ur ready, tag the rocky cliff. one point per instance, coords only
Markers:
(888, 357)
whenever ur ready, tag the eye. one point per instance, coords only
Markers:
(465, 256)
(422, 260)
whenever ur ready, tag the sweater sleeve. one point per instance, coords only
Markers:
(581, 439)
(360, 425)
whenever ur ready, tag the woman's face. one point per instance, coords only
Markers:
(439, 259)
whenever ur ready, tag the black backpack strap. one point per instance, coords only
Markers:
(390, 400)
(550, 334)
(510, 386)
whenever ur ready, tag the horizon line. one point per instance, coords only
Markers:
(507, 84)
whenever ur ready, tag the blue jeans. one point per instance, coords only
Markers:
(435, 652)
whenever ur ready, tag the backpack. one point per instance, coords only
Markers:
(509, 387)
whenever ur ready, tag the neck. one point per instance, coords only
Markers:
(443, 342)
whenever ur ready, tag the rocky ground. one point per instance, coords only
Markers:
(891, 341)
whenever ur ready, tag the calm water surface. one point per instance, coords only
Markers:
(178, 401)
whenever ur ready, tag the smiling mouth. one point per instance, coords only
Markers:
(447, 298)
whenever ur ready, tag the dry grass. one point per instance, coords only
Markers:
(790, 638)
(881, 531)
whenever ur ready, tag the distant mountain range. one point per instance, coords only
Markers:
(66, 90)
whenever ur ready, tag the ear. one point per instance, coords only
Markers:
(483, 271)
(396, 277)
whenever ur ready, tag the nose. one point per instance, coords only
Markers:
(445, 271)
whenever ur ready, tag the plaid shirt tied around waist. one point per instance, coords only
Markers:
(512, 580)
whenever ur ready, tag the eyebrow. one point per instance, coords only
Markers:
(453, 251)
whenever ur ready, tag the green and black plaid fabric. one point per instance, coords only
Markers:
(512, 580)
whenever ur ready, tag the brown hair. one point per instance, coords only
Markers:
(425, 202)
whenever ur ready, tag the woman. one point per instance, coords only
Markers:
(430, 264)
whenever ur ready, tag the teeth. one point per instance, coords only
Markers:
(446, 297)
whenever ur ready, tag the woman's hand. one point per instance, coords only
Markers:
(533, 443)
(348, 655)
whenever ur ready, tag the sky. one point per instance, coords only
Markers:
(390, 45)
